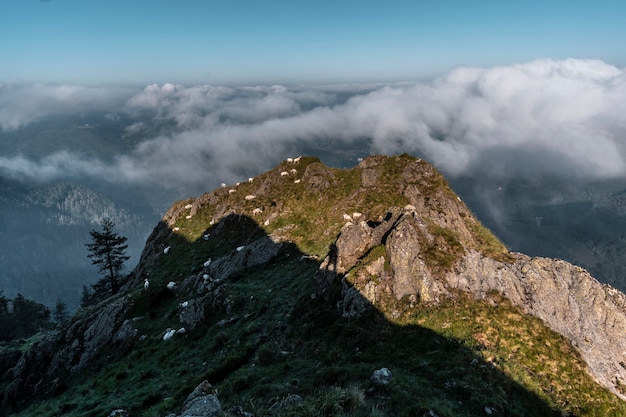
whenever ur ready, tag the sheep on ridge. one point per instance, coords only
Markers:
(168, 334)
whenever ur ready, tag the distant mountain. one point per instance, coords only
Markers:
(317, 291)
(43, 230)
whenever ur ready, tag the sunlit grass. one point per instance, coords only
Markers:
(272, 339)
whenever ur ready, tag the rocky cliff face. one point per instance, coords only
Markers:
(431, 251)
(569, 301)
(388, 234)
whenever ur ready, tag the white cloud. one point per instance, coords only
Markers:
(21, 105)
(560, 117)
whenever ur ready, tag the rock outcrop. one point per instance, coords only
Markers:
(409, 266)
(64, 353)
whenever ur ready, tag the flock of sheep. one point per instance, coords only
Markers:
(169, 333)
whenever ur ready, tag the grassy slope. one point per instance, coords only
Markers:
(455, 359)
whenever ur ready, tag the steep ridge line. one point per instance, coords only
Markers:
(389, 233)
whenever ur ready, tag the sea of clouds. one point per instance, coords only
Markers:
(564, 118)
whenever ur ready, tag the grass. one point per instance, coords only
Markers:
(272, 349)
(455, 359)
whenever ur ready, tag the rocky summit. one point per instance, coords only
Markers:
(316, 291)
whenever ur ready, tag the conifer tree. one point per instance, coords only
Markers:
(108, 251)
(60, 312)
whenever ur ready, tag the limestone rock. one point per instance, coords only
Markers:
(256, 253)
(192, 315)
(430, 247)
(63, 353)
(120, 412)
(202, 402)
(381, 377)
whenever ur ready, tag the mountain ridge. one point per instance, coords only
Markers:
(388, 235)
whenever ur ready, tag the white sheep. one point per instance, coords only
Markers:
(146, 284)
(182, 330)
(166, 250)
(188, 206)
(223, 185)
(289, 160)
(257, 211)
(284, 174)
(297, 160)
(171, 285)
(239, 248)
(347, 217)
(231, 191)
(250, 197)
(184, 304)
(188, 217)
(293, 171)
(356, 215)
(207, 263)
(176, 229)
(296, 181)
(250, 179)
(168, 334)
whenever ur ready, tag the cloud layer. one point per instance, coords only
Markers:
(558, 117)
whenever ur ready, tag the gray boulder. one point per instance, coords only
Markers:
(202, 402)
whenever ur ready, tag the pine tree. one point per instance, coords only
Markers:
(85, 299)
(108, 251)
(60, 312)
(29, 316)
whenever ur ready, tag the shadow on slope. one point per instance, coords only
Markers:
(260, 337)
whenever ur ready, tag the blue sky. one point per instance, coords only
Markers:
(262, 42)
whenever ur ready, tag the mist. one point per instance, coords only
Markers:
(545, 117)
